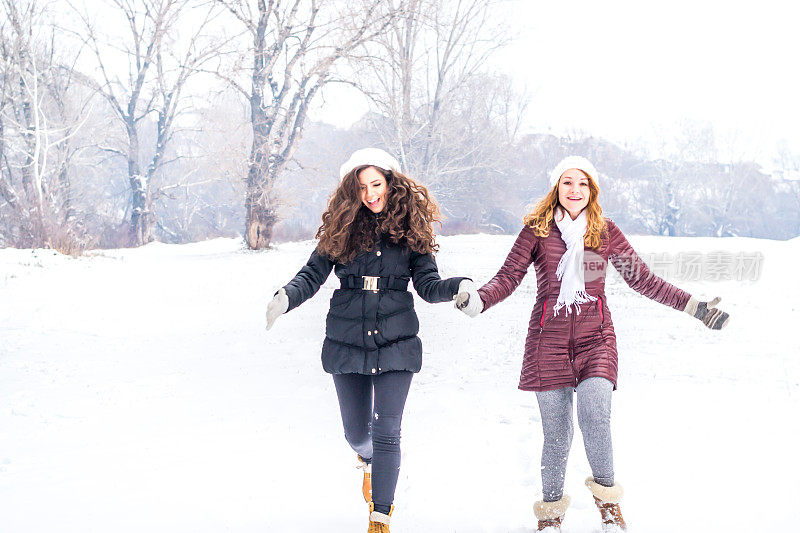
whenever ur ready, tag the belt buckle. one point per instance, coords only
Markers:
(370, 283)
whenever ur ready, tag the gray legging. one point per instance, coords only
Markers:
(594, 419)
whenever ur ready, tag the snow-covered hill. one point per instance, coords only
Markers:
(140, 392)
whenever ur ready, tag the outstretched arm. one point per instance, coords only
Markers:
(307, 282)
(513, 270)
(639, 277)
(427, 282)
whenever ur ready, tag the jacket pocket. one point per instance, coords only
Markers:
(541, 319)
(602, 314)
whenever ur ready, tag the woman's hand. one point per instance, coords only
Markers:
(707, 312)
(468, 300)
(278, 306)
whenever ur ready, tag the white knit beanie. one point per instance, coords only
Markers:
(573, 161)
(373, 157)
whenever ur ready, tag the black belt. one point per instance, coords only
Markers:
(375, 283)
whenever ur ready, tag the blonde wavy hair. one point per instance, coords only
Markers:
(544, 211)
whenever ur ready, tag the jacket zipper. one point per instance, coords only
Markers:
(364, 339)
(572, 336)
(571, 349)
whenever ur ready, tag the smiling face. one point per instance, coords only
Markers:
(573, 191)
(372, 187)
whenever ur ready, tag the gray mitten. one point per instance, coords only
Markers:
(468, 300)
(278, 306)
(707, 312)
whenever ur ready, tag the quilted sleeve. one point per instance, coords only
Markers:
(308, 281)
(427, 282)
(513, 270)
(638, 276)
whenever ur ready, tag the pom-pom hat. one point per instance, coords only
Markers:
(573, 161)
(373, 157)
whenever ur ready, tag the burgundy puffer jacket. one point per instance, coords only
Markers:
(563, 350)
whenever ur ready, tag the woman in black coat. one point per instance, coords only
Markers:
(377, 235)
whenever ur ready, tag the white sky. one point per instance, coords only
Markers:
(631, 70)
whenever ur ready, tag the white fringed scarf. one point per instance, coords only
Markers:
(570, 266)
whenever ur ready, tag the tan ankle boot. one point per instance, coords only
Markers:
(550, 514)
(379, 522)
(607, 501)
(366, 485)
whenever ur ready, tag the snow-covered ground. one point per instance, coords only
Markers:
(139, 392)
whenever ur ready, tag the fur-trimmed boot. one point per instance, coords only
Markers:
(366, 485)
(379, 522)
(550, 514)
(607, 500)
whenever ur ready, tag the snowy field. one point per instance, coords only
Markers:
(140, 392)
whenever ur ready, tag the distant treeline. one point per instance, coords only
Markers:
(122, 122)
(653, 197)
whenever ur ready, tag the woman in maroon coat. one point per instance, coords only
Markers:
(571, 345)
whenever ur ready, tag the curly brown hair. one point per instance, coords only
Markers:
(349, 228)
(543, 215)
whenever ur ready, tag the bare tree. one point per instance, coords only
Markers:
(159, 65)
(37, 124)
(206, 198)
(787, 166)
(651, 196)
(294, 46)
(417, 75)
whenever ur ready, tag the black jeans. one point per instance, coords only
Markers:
(372, 411)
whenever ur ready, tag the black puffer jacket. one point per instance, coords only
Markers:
(368, 331)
